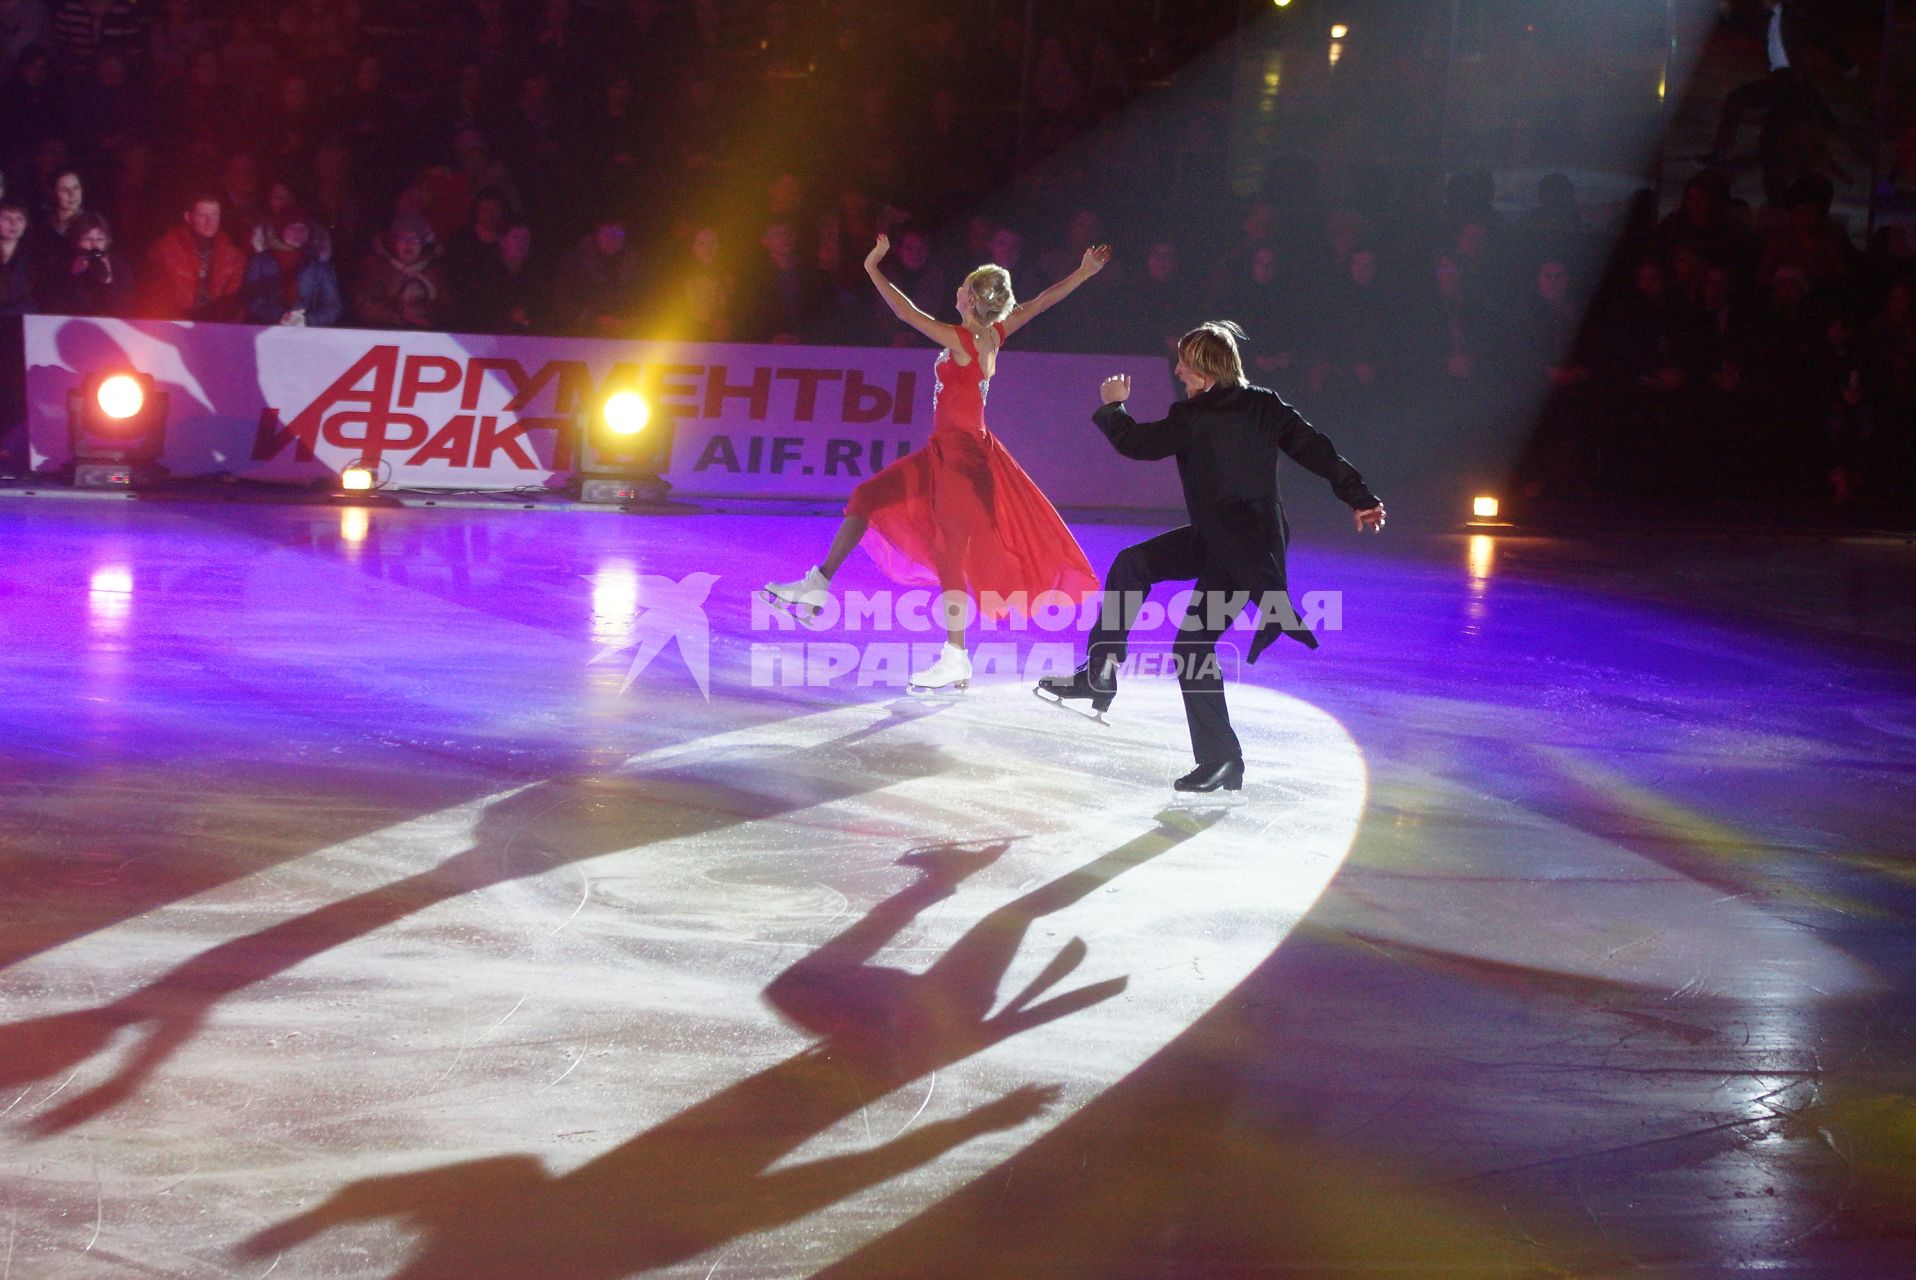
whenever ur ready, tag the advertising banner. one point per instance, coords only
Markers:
(466, 412)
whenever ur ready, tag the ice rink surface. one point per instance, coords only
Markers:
(471, 893)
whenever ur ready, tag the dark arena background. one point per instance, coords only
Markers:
(428, 849)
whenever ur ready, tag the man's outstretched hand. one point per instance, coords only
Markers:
(1370, 519)
(1116, 388)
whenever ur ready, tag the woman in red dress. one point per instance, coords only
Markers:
(959, 514)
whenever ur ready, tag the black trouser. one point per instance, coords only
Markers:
(1174, 557)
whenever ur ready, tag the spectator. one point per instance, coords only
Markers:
(23, 24)
(595, 292)
(288, 284)
(1156, 313)
(614, 134)
(505, 290)
(280, 198)
(700, 306)
(18, 297)
(65, 204)
(915, 269)
(1555, 229)
(1702, 220)
(366, 116)
(30, 106)
(474, 247)
(322, 32)
(1849, 381)
(1555, 364)
(195, 270)
(1263, 300)
(239, 193)
(202, 114)
(177, 36)
(84, 29)
(1456, 340)
(249, 61)
(1006, 248)
(1809, 241)
(335, 201)
(1726, 336)
(109, 114)
(1355, 352)
(291, 125)
(17, 282)
(787, 292)
(402, 284)
(91, 279)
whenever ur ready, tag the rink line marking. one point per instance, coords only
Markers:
(932, 1088)
(562, 1075)
(99, 1200)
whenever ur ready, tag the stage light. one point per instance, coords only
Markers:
(1485, 507)
(116, 429)
(1339, 31)
(1282, 4)
(626, 413)
(622, 449)
(357, 479)
(120, 396)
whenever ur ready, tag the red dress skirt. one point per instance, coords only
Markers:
(961, 514)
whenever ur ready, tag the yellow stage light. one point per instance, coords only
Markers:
(1485, 507)
(626, 413)
(1339, 31)
(357, 479)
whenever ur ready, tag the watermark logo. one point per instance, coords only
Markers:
(669, 611)
(901, 633)
(889, 663)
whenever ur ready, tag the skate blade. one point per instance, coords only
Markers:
(1198, 802)
(1054, 700)
(806, 614)
(954, 690)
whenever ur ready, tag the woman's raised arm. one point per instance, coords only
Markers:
(1021, 315)
(943, 334)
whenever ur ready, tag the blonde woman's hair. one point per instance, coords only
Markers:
(1211, 349)
(991, 298)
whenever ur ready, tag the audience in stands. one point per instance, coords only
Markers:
(1752, 351)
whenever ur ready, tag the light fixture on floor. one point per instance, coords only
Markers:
(1486, 512)
(621, 450)
(116, 429)
(357, 477)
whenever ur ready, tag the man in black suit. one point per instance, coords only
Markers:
(1226, 436)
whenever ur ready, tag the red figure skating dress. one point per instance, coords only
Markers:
(960, 513)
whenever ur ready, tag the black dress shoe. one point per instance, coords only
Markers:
(1228, 776)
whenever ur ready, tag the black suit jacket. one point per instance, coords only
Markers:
(1226, 442)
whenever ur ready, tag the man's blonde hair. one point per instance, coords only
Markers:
(1211, 349)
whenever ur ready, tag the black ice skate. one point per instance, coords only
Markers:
(1064, 691)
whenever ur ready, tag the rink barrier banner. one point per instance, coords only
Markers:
(472, 412)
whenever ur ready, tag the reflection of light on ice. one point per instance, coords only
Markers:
(615, 602)
(354, 524)
(1483, 556)
(109, 598)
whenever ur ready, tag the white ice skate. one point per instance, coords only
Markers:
(950, 674)
(804, 599)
